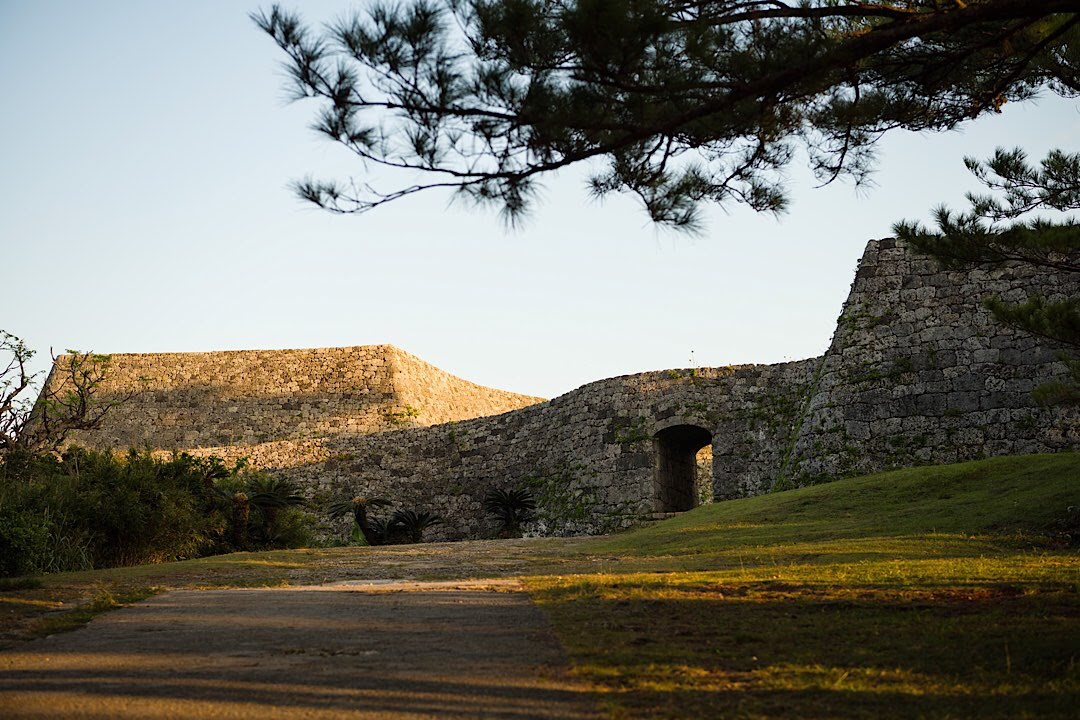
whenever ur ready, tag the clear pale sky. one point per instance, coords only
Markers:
(145, 149)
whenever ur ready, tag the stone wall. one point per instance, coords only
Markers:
(246, 398)
(917, 372)
(589, 455)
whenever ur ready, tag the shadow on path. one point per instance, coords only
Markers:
(373, 650)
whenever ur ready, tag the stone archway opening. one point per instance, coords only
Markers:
(683, 468)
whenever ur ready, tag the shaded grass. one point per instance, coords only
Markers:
(74, 619)
(930, 592)
(702, 648)
(27, 582)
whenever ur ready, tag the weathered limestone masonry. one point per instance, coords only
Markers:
(589, 456)
(918, 371)
(249, 398)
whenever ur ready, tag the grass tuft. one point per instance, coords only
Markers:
(103, 601)
(25, 582)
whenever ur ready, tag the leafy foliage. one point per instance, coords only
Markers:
(678, 103)
(411, 524)
(89, 509)
(991, 234)
(270, 496)
(511, 508)
(1059, 321)
(372, 531)
(401, 526)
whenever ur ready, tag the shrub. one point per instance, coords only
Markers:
(264, 514)
(91, 509)
(403, 526)
(23, 541)
(138, 508)
(370, 529)
(409, 525)
(512, 509)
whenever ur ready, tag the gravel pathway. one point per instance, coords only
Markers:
(347, 650)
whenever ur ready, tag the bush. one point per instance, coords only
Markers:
(511, 509)
(24, 540)
(408, 526)
(403, 526)
(91, 509)
(139, 509)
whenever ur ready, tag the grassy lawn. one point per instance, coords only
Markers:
(943, 592)
(930, 592)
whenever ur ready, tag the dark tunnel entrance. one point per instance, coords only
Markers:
(679, 469)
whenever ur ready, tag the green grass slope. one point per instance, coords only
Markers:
(934, 592)
(1003, 497)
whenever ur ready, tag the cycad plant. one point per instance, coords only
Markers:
(271, 495)
(374, 531)
(411, 524)
(511, 508)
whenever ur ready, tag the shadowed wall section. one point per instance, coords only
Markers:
(919, 371)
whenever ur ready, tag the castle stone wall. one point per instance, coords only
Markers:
(589, 455)
(917, 372)
(185, 401)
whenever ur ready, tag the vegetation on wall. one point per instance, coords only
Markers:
(405, 417)
(630, 431)
(561, 502)
(567, 502)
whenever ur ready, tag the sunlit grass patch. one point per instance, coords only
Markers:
(705, 645)
(930, 592)
(1014, 500)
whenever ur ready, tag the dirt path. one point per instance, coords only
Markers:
(475, 649)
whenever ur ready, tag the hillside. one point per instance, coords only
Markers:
(994, 498)
(934, 592)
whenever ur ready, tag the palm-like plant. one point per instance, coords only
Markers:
(511, 508)
(271, 495)
(412, 524)
(241, 511)
(373, 530)
(378, 530)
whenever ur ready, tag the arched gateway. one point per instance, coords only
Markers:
(675, 484)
